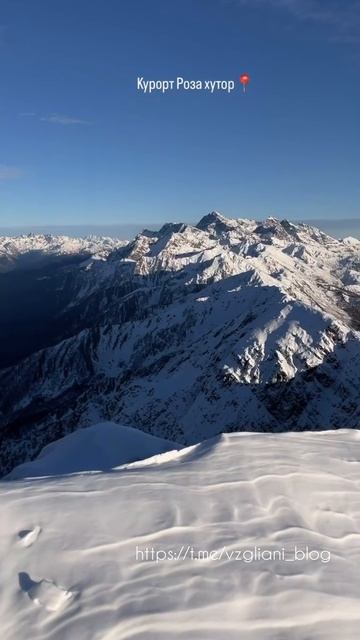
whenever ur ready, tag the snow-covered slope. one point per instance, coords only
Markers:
(72, 550)
(40, 277)
(227, 325)
(97, 448)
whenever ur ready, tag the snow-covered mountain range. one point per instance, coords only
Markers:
(224, 326)
(32, 251)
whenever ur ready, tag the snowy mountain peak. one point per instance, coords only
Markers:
(172, 227)
(214, 219)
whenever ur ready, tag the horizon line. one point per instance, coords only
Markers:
(144, 224)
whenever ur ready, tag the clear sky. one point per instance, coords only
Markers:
(80, 145)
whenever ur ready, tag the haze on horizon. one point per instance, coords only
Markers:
(338, 228)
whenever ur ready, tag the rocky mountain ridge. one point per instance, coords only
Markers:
(224, 326)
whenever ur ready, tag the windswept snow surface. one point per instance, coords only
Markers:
(83, 577)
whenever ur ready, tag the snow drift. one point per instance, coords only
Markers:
(96, 448)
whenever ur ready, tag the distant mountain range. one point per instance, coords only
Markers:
(185, 333)
(337, 227)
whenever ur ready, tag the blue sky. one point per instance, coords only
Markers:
(80, 145)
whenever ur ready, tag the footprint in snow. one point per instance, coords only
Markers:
(29, 536)
(45, 593)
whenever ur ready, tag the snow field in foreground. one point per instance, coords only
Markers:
(68, 545)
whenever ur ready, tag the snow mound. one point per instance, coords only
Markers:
(97, 448)
(87, 577)
(351, 241)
